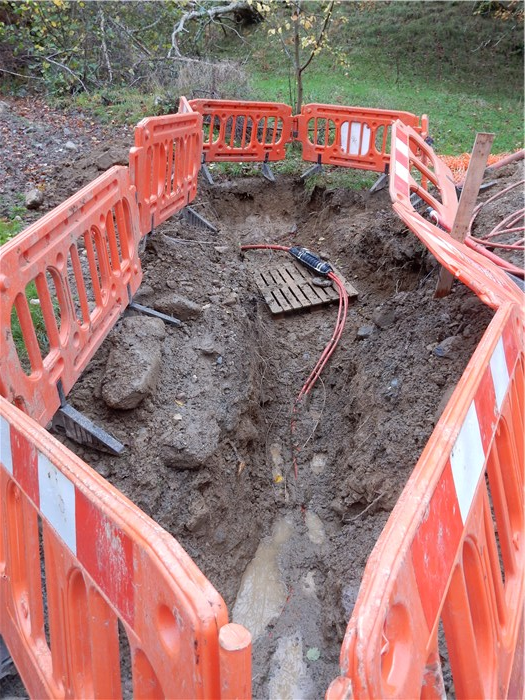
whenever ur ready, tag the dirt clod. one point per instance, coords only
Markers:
(134, 361)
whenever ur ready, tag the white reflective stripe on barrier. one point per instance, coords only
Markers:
(351, 146)
(100, 546)
(57, 501)
(467, 460)
(500, 372)
(5, 445)
(401, 175)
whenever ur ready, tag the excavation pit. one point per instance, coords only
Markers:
(208, 446)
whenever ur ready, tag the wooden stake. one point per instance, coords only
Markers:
(467, 202)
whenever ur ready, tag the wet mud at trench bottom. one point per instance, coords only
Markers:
(204, 410)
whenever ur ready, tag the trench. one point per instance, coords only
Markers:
(208, 448)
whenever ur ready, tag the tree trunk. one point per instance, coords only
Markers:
(299, 101)
(297, 62)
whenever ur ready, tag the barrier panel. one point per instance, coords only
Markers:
(488, 281)
(64, 282)
(245, 131)
(78, 561)
(453, 548)
(352, 137)
(165, 163)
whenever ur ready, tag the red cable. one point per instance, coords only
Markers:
(328, 350)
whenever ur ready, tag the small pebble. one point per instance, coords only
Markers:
(364, 332)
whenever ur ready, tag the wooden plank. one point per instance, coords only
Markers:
(467, 202)
(293, 299)
(281, 299)
(274, 306)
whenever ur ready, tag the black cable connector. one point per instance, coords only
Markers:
(311, 261)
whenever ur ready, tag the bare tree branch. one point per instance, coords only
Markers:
(134, 39)
(21, 75)
(102, 21)
(321, 35)
(68, 70)
(202, 13)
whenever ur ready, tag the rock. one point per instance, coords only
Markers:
(192, 445)
(113, 156)
(134, 362)
(208, 346)
(143, 294)
(199, 514)
(67, 131)
(231, 299)
(364, 332)
(70, 146)
(448, 347)
(178, 306)
(34, 199)
(318, 463)
(384, 319)
(4, 108)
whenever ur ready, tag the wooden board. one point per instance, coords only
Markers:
(288, 287)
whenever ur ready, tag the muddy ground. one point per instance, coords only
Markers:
(204, 410)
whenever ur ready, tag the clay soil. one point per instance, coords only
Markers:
(209, 445)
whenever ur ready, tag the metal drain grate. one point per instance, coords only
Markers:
(289, 287)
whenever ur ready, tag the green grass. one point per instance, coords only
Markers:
(455, 61)
(38, 324)
(8, 229)
(444, 59)
(122, 105)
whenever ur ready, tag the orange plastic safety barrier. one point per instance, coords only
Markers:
(64, 282)
(453, 549)
(165, 163)
(487, 280)
(78, 561)
(352, 137)
(244, 131)
(414, 165)
(459, 164)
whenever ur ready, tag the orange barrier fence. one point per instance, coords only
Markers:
(414, 166)
(64, 282)
(488, 281)
(78, 561)
(164, 164)
(453, 548)
(353, 137)
(244, 131)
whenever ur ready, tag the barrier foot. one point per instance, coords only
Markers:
(267, 172)
(380, 183)
(146, 310)
(197, 220)
(235, 662)
(77, 427)
(7, 666)
(317, 168)
(207, 175)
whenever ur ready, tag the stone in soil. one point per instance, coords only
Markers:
(134, 362)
